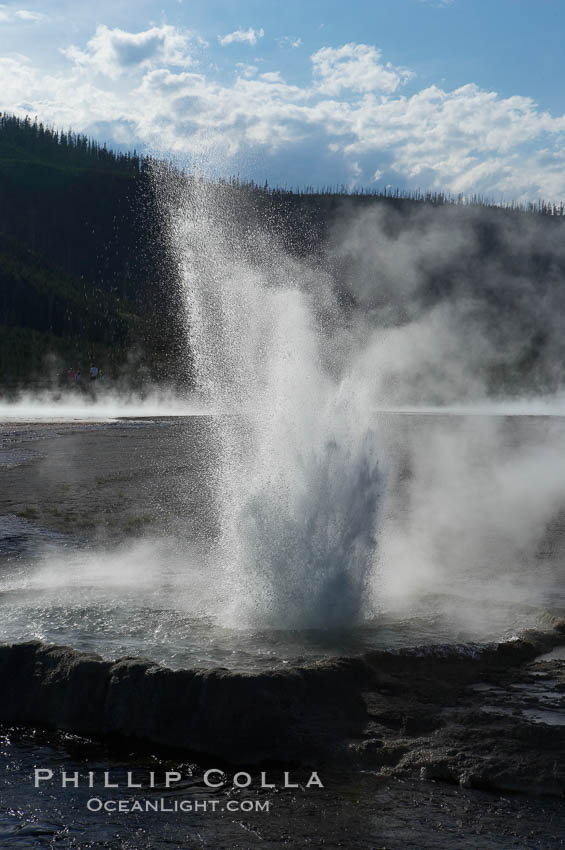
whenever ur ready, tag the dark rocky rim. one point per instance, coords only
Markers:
(300, 713)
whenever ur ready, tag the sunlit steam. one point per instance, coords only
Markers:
(298, 479)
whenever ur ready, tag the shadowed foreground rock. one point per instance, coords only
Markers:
(461, 714)
(238, 716)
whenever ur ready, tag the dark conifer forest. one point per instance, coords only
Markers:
(86, 274)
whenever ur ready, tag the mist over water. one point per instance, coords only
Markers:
(105, 405)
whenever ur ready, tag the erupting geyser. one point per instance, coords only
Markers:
(297, 482)
(307, 516)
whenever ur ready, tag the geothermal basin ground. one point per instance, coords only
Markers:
(423, 718)
(106, 530)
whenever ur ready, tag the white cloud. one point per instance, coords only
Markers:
(355, 170)
(356, 67)
(9, 15)
(289, 41)
(246, 70)
(249, 36)
(352, 112)
(272, 77)
(113, 51)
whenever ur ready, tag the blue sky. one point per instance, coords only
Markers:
(459, 95)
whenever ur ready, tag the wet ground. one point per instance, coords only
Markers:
(352, 810)
(106, 481)
(73, 487)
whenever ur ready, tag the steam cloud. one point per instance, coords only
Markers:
(332, 507)
(423, 307)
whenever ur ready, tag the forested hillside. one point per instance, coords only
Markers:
(86, 273)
